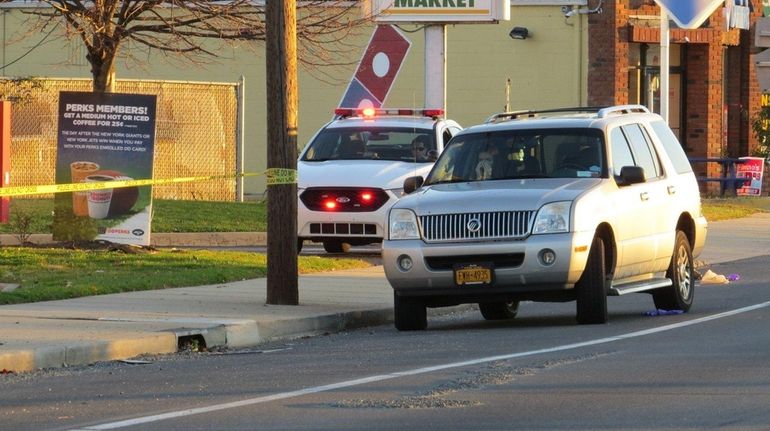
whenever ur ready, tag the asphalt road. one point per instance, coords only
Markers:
(706, 369)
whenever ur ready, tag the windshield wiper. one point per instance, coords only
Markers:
(524, 177)
(449, 181)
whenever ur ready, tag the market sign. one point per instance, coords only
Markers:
(439, 10)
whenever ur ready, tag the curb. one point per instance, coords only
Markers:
(229, 335)
(170, 239)
(243, 334)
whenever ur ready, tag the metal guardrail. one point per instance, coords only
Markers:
(728, 179)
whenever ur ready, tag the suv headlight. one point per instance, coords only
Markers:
(403, 225)
(552, 218)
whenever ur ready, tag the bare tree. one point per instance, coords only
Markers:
(180, 27)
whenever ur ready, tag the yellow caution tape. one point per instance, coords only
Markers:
(79, 187)
(277, 176)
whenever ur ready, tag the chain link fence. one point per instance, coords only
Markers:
(196, 133)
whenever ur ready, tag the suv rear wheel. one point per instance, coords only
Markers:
(499, 310)
(679, 295)
(591, 289)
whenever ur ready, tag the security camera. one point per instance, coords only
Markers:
(570, 13)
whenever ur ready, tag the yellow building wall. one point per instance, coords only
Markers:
(546, 70)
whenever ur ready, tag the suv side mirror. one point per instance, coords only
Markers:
(412, 183)
(631, 175)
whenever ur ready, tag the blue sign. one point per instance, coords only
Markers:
(689, 14)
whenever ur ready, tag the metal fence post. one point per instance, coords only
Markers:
(240, 98)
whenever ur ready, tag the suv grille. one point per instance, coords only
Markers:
(475, 226)
(343, 199)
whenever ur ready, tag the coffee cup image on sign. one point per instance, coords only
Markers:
(99, 200)
(123, 198)
(79, 171)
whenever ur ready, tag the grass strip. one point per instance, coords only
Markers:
(46, 274)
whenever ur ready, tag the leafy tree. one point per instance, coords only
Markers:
(761, 126)
(110, 28)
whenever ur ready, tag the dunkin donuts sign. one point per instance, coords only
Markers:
(102, 138)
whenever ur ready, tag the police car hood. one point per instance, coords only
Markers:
(385, 174)
(492, 196)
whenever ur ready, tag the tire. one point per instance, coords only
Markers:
(336, 247)
(410, 314)
(591, 289)
(678, 296)
(499, 310)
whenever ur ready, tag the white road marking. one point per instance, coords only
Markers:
(425, 370)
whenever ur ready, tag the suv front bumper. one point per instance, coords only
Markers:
(531, 275)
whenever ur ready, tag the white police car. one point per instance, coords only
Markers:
(353, 171)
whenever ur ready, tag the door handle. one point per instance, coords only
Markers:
(672, 190)
(644, 196)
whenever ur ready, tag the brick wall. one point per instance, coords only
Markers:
(708, 130)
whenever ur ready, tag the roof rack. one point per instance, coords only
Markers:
(513, 115)
(623, 109)
(602, 112)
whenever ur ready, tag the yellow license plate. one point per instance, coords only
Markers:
(473, 274)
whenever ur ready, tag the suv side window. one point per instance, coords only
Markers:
(644, 154)
(672, 147)
(621, 153)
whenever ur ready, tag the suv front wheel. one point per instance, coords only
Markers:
(591, 289)
(410, 314)
(680, 294)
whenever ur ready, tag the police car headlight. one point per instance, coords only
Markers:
(398, 192)
(552, 218)
(403, 225)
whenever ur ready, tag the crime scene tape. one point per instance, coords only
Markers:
(277, 176)
(283, 176)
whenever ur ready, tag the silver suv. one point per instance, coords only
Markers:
(559, 205)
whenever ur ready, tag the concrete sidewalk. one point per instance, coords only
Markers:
(86, 330)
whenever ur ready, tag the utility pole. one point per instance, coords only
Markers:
(281, 55)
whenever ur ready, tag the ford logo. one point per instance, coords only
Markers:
(474, 225)
(343, 199)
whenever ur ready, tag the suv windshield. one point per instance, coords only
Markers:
(531, 153)
(373, 143)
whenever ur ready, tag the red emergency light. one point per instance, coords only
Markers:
(372, 112)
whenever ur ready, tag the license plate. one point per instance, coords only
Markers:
(476, 273)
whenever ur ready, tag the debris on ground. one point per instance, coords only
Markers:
(710, 277)
(661, 312)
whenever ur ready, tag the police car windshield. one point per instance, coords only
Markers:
(373, 143)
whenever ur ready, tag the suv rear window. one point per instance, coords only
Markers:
(532, 153)
(672, 146)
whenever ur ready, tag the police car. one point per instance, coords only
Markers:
(353, 171)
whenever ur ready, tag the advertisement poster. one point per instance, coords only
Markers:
(104, 137)
(752, 169)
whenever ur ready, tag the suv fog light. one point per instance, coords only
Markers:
(405, 263)
(547, 257)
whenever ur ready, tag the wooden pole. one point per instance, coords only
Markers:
(281, 53)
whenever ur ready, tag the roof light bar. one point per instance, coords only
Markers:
(373, 112)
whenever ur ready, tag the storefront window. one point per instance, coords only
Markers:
(644, 80)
